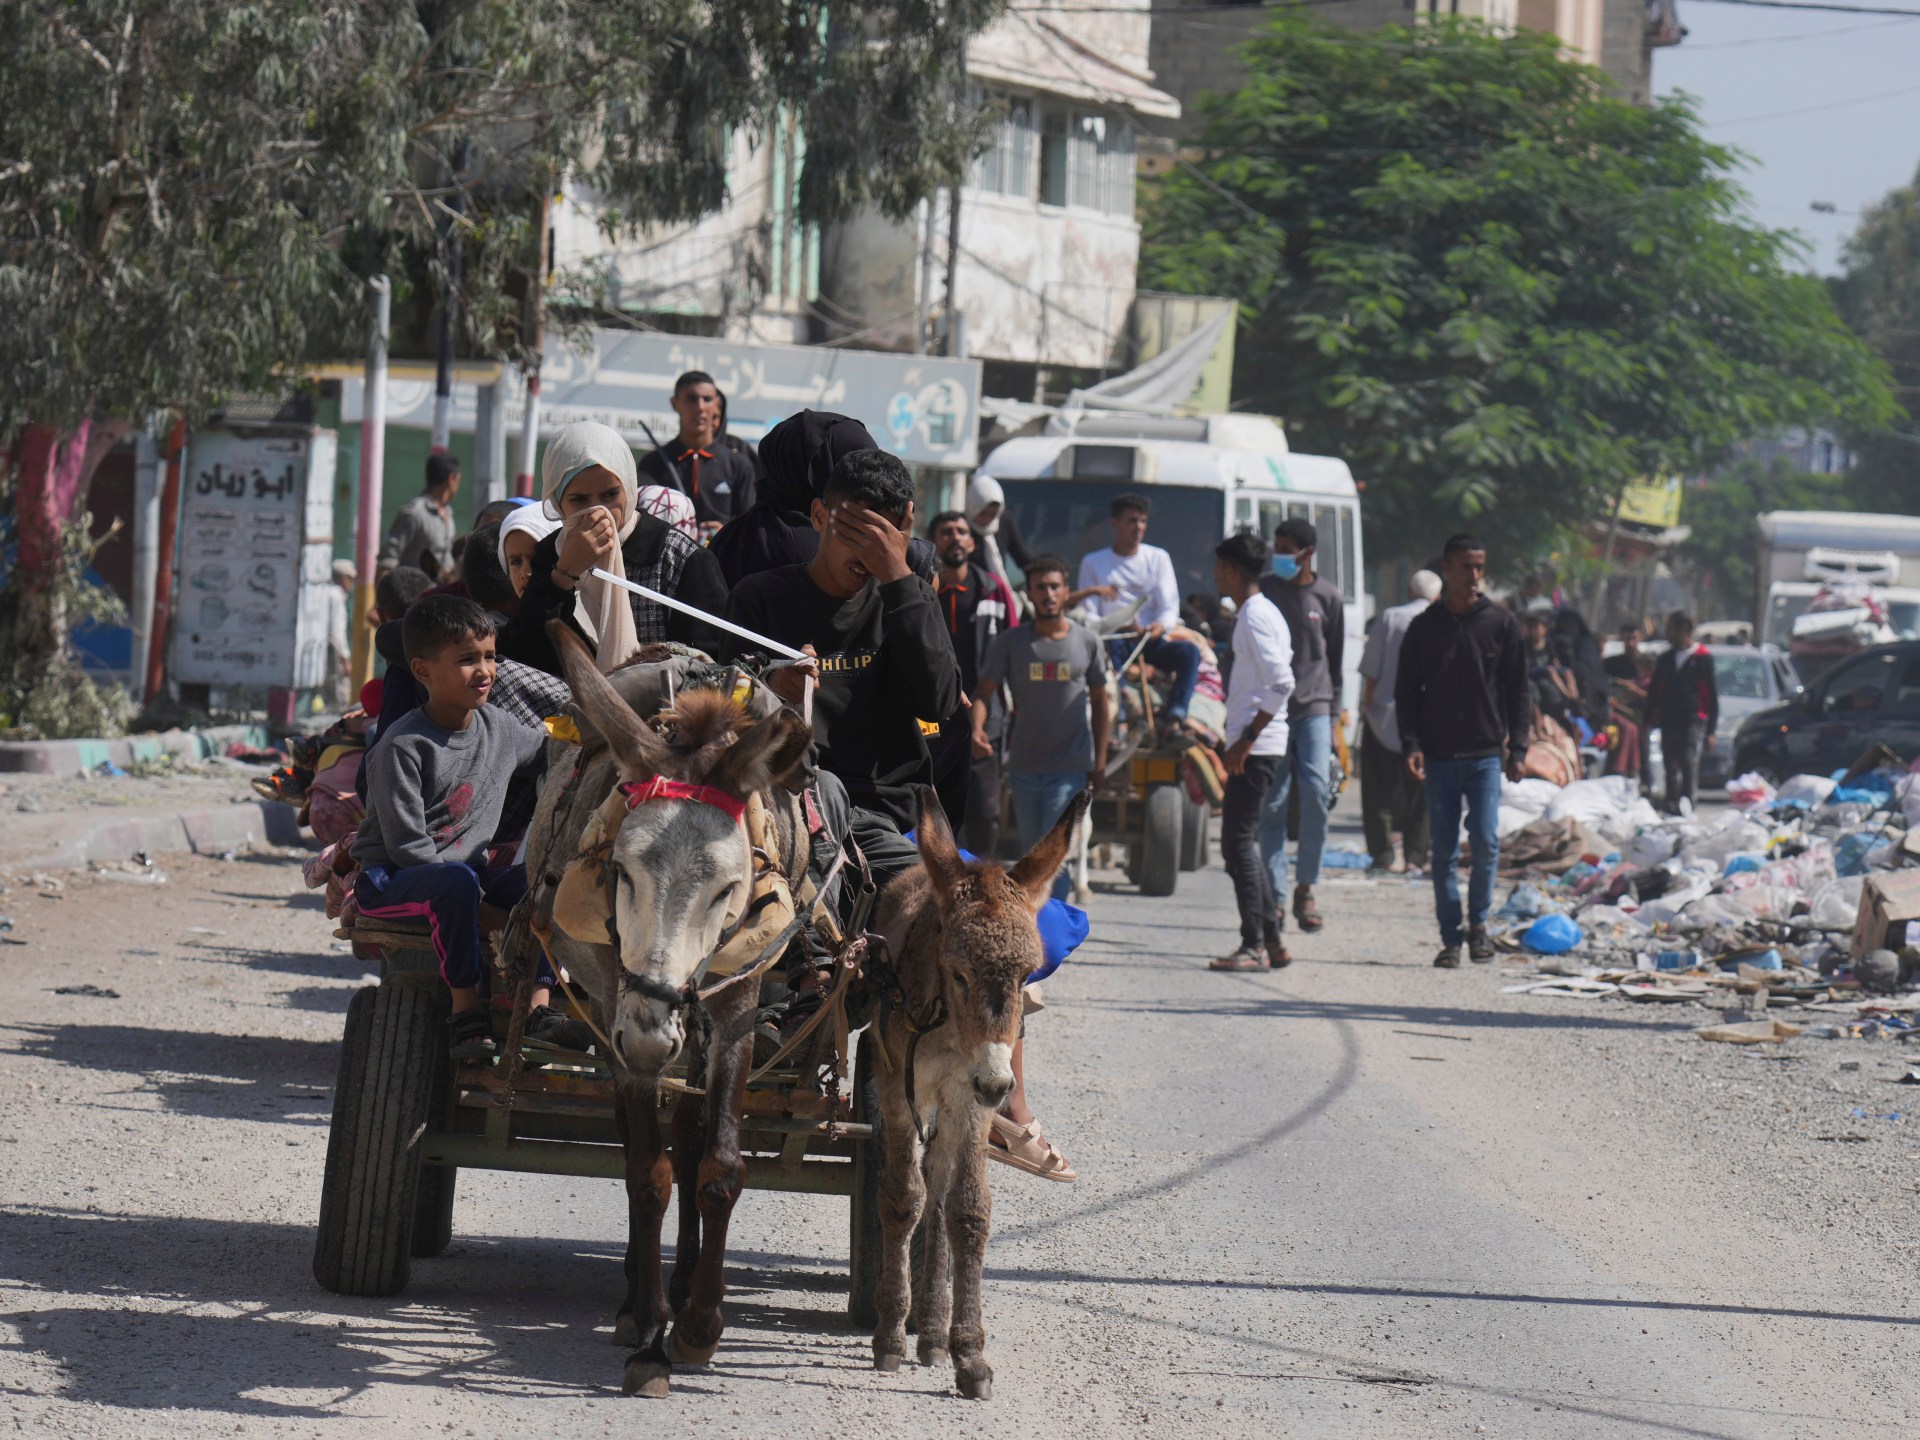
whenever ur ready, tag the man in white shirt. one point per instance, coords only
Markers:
(1132, 570)
(1257, 695)
(1390, 798)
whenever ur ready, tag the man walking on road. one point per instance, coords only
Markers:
(1257, 694)
(1683, 699)
(1390, 798)
(1317, 628)
(1056, 672)
(977, 606)
(1133, 570)
(1464, 709)
(421, 535)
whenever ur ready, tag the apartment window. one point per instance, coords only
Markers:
(1005, 167)
(1086, 161)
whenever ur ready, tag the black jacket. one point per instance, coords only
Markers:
(1683, 695)
(1463, 691)
(886, 665)
(719, 480)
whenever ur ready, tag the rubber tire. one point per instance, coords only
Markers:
(392, 1060)
(863, 1214)
(1195, 850)
(1158, 870)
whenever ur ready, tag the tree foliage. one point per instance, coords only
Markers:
(1498, 292)
(1879, 293)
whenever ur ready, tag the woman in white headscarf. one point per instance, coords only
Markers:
(588, 487)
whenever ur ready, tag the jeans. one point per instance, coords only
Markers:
(1240, 851)
(447, 897)
(1179, 658)
(1039, 800)
(1477, 784)
(1309, 759)
(1390, 799)
(1680, 749)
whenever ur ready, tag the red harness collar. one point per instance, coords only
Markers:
(660, 788)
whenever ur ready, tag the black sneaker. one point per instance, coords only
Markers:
(470, 1036)
(1479, 946)
(548, 1026)
(1448, 958)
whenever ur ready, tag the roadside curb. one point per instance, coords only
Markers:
(74, 757)
(69, 842)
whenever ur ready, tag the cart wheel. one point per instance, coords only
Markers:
(863, 1225)
(391, 1061)
(1160, 827)
(1195, 851)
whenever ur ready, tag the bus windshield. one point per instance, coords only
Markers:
(1069, 518)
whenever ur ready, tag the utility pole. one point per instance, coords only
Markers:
(373, 459)
(536, 304)
(955, 337)
(449, 311)
(163, 566)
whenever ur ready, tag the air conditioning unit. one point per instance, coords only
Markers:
(1108, 462)
(1875, 567)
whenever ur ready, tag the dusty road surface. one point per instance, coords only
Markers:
(1357, 1198)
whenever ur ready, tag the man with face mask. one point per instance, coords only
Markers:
(1317, 622)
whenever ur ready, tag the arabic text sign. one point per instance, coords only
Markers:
(255, 544)
(1652, 502)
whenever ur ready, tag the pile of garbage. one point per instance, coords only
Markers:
(1808, 896)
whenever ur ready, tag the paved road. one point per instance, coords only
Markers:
(1359, 1198)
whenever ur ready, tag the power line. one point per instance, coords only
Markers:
(1814, 109)
(1831, 5)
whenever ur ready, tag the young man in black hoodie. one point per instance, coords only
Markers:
(886, 667)
(1683, 699)
(1465, 711)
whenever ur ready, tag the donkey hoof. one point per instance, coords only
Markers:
(976, 1381)
(626, 1332)
(682, 1353)
(886, 1364)
(932, 1355)
(647, 1378)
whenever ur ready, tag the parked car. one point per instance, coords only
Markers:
(1874, 695)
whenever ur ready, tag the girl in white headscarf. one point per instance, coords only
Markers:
(588, 484)
(520, 535)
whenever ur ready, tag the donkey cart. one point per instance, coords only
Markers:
(407, 1121)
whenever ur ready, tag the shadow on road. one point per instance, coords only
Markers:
(1284, 1008)
(225, 1077)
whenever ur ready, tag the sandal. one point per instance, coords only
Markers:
(1305, 911)
(1025, 1148)
(1238, 960)
(1277, 956)
(470, 1036)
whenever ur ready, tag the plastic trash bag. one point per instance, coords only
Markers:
(1808, 790)
(1650, 847)
(1850, 854)
(1836, 904)
(1750, 791)
(1552, 935)
(1525, 902)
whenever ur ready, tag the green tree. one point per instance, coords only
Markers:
(1879, 293)
(1722, 554)
(192, 193)
(1498, 292)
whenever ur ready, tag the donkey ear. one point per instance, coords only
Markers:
(1034, 871)
(937, 850)
(636, 745)
(765, 755)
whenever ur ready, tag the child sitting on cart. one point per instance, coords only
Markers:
(436, 784)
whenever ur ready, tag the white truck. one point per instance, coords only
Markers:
(1830, 581)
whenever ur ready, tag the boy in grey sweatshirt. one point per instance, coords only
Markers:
(435, 787)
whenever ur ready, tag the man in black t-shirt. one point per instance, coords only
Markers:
(886, 667)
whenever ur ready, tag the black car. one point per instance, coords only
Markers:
(1874, 695)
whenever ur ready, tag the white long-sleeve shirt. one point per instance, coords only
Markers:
(1262, 678)
(1148, 571)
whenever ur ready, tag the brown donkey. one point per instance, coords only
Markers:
(963, 940)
